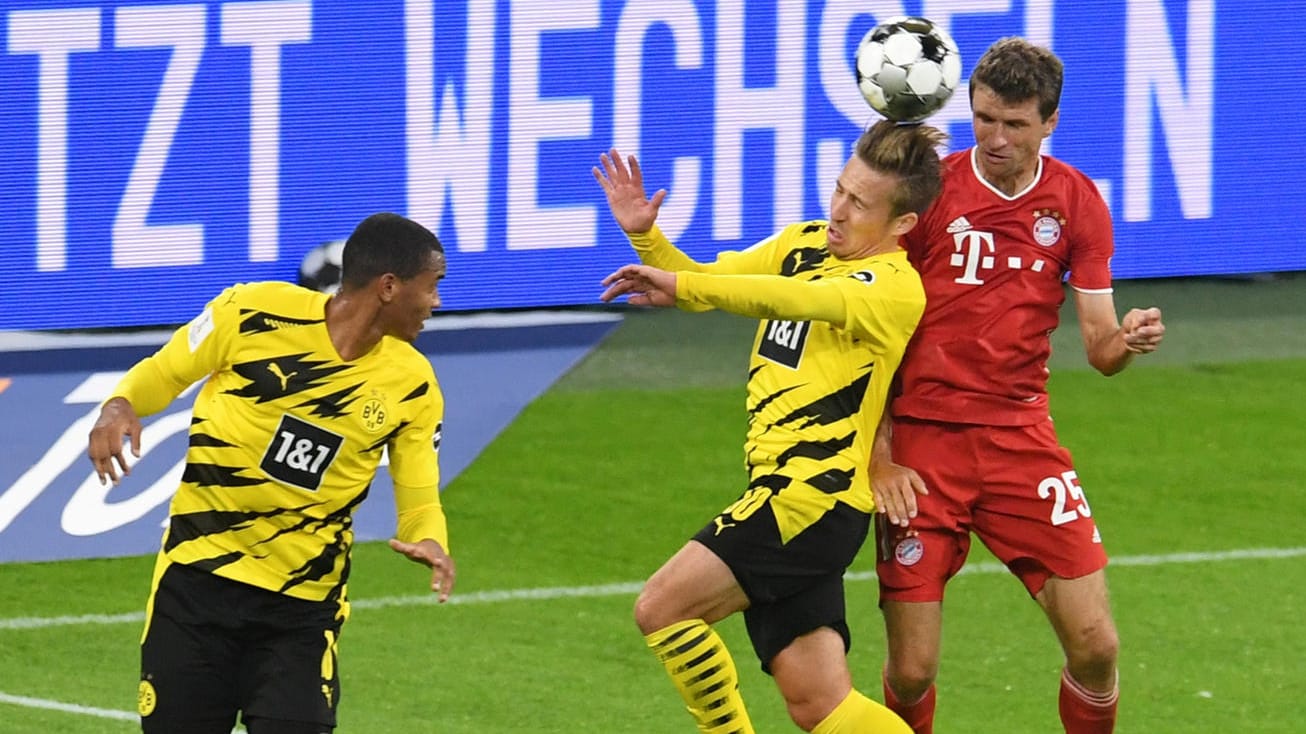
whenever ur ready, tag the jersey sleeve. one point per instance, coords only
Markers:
(885, 304)
(859, 302)
(415, 472)
(655, 249)
(1092, 241)
(194, 351)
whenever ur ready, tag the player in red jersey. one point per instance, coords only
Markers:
(971, 446)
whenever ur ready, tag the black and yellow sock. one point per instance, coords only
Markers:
(703, 672)
(858, 714)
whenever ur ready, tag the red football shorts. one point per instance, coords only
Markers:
(1014, 487)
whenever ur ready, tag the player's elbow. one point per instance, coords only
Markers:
(1108, 355)
(1109, 366)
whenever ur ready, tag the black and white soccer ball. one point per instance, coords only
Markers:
(321, 267)
(907, 68)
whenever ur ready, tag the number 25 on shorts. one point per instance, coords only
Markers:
(1069, 503)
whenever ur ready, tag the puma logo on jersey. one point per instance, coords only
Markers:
(960, 224)
(722, 524)
(803, 259)
(275, 369)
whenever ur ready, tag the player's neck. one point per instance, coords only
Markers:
(882, 248)
(353, 329)
(1009, 183)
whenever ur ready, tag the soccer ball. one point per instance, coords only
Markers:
(321, 267)
(907, 68)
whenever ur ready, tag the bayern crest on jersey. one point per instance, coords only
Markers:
(1047, 227)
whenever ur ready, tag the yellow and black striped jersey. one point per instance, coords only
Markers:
(286, 437)
(831, 337)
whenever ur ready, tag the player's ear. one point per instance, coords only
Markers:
(1051, 123)
(387, 287)
(904, 223)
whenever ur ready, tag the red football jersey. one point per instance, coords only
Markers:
(993, 267)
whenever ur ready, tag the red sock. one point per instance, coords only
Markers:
(919, 715)
(1084, 711)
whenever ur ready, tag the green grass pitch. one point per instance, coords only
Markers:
(1193, 460)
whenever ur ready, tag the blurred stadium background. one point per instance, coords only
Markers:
(156, 152)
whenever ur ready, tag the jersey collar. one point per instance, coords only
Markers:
(979, 176)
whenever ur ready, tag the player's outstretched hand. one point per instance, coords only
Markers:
(1143, 330)
(104, 448)
(894, 488)
(623, 182)
(642, 285)
(429, 553)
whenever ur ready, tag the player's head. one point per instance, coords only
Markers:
(909, 152)
(402, 262)
(1015, 91)
(387, 243)
(1018, 71)
(886, 185)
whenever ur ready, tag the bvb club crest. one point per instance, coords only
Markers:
(374, 414)
(146, 699)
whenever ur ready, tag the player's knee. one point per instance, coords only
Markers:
(911, 679)
(806, 711)
(649, 616)
(1093, 653)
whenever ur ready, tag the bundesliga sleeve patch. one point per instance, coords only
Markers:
(200, 328)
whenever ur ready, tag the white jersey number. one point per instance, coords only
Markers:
(1069, 503)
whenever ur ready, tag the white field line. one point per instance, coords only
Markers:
(68, 708)
(570, 592)
(633, 587)
(72, 708)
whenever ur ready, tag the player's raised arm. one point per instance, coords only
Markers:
(149, 387)
(623, 183)
(643, 285)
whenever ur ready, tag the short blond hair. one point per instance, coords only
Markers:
(909, 151)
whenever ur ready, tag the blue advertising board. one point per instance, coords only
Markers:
(153, 153)
(52, 505)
